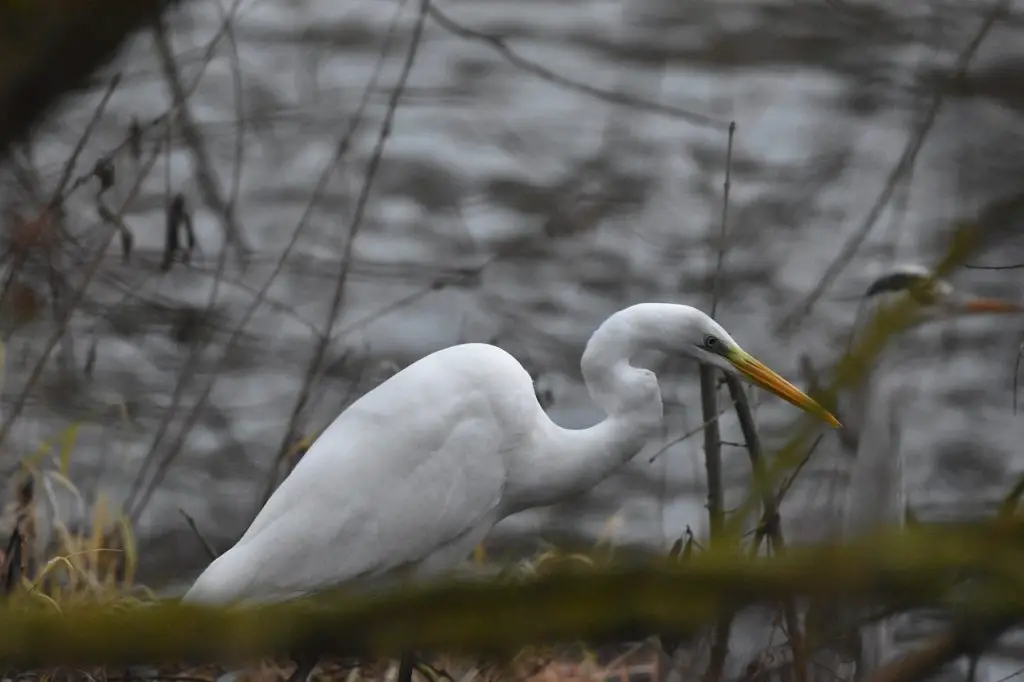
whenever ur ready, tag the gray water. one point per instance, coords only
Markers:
(502, 173)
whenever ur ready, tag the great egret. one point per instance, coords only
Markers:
(875, 494)
(412, 476)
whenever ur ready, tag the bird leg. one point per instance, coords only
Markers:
(304, 666)
(405, 667)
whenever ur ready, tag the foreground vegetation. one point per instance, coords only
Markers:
(80, 612)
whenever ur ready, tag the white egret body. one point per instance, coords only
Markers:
(876, 495)
(411, 477)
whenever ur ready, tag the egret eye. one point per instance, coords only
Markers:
(712, 343)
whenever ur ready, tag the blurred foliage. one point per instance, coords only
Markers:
(49, 48)
(971, 570)
(888, 323)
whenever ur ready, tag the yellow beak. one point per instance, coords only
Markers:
(764, 377)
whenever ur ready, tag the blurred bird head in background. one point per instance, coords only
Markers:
(936, 298)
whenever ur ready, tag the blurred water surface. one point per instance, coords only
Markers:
(512, 208)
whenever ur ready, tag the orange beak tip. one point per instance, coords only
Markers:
(989, 305)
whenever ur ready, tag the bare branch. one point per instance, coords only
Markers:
(499, 45)
(71, 306)
(210, 551)
(209, 186)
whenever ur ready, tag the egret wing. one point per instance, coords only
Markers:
(407, 478)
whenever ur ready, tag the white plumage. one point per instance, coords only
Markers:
(411, 477)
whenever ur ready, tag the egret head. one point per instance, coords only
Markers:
(935, 298)
(709, 343)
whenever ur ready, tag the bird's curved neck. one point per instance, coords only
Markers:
(875, 494)
(562, 462)
(860, 393)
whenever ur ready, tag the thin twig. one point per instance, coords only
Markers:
(72, 305)
(69, 165)
(209, 186)
(498, 44)
(847, 437)
(1015, 266)
(689, 434)
(346, 258)
(788, 482)
(723, 229)
(340, 150)
(199, 534)
(192, 363)
(712, 435)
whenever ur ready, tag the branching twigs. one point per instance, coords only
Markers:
(346, 258)
(54, 203)
(341, 148)
(177, 216)
(904, 165)
(612, 97)
(689, 434)
(209, 186)
(71, 306)
(69, 165)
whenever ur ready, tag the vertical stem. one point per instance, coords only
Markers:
(716, 507)
(712, 435)
(726, 186)
(771, 521)
(712, 451)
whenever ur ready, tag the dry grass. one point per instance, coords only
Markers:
(51, 563)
